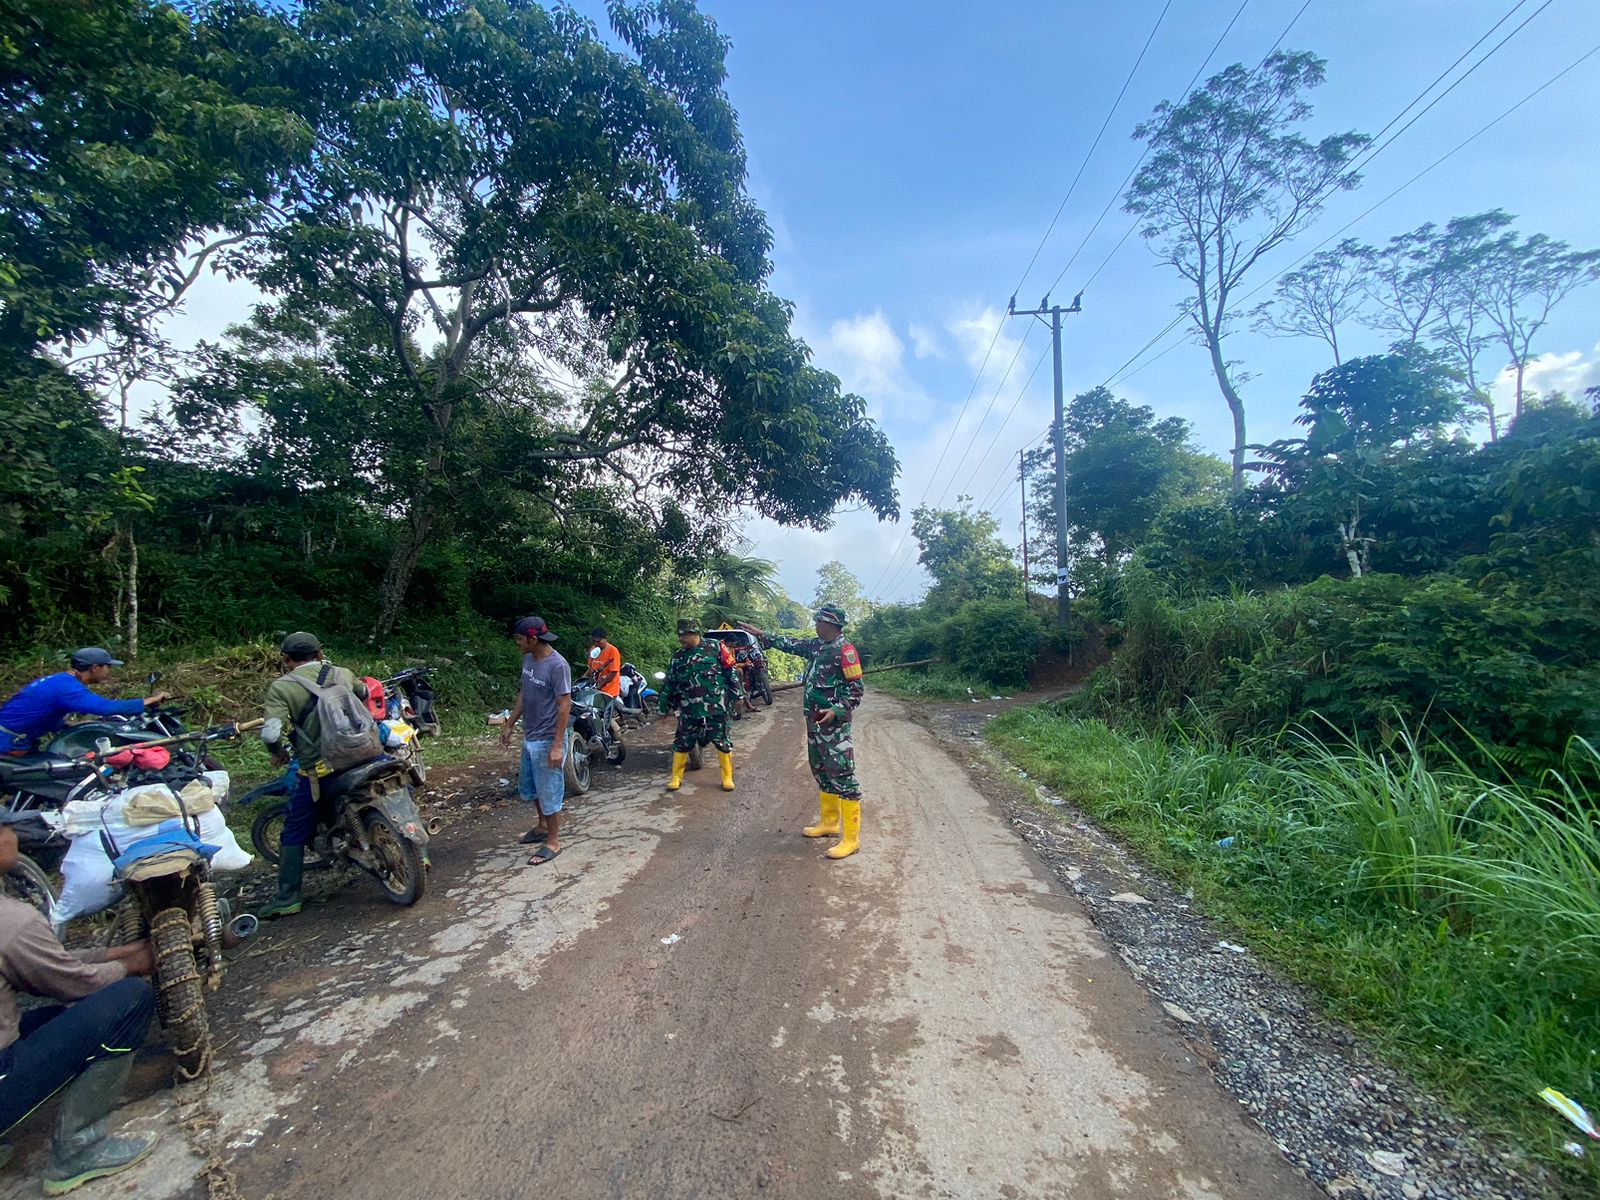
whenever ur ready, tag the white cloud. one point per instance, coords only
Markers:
(925, 343)
(1570, 371)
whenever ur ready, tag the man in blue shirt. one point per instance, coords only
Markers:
(43, 706)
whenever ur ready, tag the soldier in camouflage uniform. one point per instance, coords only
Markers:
(833, 689)
(698, 678)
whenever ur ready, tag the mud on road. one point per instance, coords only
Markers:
(691, 1001)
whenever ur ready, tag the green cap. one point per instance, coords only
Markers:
(298, 645)
(688, 625)
(831, 613)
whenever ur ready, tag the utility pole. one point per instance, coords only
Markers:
(1063, 593)
(1022, 474)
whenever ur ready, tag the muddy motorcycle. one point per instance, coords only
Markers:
(169, 898)
(41, 787)
(590, 737)
(366, 816)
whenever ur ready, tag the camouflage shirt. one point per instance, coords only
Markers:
(698, 679)
(833, 673)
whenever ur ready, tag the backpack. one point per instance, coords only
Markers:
(349, 735)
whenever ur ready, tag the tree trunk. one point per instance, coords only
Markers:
(1235, 406)
(403, 564)
(1494, 419)
(1351, 554)
(1521, 367)
(133, 595)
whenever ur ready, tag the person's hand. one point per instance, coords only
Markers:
(505, 733)
(280, 756)
(157, 700)
(137, 959)
(557, 752)
(825, 717)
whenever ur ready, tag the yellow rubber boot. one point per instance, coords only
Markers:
(828, 823)
(850, 842)
(725, 761)
(679, 762)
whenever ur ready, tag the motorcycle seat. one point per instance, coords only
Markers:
(353, 777)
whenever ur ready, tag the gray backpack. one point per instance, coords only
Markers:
(349, 735)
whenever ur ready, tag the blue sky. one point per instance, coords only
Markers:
(911, 155)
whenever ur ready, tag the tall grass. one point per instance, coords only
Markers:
(1452, 913)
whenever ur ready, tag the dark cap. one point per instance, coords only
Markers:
(300, 645)
(534, 627)
(93, 656)
(599, 631)
(831, 613)
(688, 625)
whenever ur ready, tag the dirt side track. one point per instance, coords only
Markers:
(933, 1017)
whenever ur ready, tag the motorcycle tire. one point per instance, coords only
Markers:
(404, 878)
(766, 693)
(619, 751)
(575, 764)
(182, 1000)
(29, 883)
(266, 835)
(696, 757)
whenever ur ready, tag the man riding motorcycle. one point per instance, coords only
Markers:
(292, 723)
(44, 705)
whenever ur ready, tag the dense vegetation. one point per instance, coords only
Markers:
(514, 348)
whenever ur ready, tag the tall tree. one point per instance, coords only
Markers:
(1320, 298)
(1404, 285)
(837, 584)
(738, 585)
(1523, 279)
(497, 175)
(1228, 179)
(962, 551)
(1125, 468)
(1456, 258)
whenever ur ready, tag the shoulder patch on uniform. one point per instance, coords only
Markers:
(851, 661)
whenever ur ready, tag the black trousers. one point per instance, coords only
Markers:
(58, 1042)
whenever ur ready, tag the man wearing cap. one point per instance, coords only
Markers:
(81, 1046)
(698, 678)
(544, 704)
(293, 729)
(832, 690)
(43, 706)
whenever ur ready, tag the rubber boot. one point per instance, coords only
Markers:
(828, 822)
(679, 762)
(725, 761)
(291, 870)
(82, 1149)
(850, 842)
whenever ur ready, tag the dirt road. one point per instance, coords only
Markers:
(930, 1018)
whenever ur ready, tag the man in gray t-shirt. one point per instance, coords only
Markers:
(544, 704)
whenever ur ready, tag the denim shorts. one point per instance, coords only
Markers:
(538, 780)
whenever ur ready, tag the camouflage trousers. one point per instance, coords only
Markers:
(698, 731)
(831, 752)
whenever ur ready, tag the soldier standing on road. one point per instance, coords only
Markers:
(698, 679)
(833, 689)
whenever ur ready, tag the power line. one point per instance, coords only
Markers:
(1365, 159)
(1034, 258)
(1123, 187)
(989, 449)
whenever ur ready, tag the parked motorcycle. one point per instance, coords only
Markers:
(366, 816)
(41, 786)
(41, 847)
(748, 661)
(590, 736)
(410, 697)
(635, 705)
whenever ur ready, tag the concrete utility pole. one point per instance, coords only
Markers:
(1063, 594)
(1022, 474)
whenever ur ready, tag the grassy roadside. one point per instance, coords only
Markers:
(1455, 920)
(938, 682)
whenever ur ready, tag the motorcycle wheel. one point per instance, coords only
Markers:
(766, 693)
(575, 763)
(266, 835)
(696, 757)
(183, 1003)
(619, 749)
(402, 874)
(28, 883)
